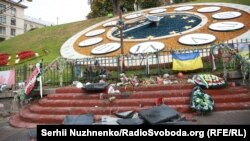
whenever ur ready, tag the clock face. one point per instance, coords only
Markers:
(175, 27)
(144, 29)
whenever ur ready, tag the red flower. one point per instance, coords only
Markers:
(3, 62)
(26, 54)
(4, 56)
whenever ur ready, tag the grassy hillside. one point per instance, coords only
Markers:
(246, 2)
(49, 38)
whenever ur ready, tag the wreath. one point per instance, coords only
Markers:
(200, 101)
(209, 81)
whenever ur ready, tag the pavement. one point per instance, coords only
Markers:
(8, 133)
(225, 118)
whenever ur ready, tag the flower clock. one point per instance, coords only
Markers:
(161, 29)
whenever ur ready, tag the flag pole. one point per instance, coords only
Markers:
(41, 86)
(40, 79)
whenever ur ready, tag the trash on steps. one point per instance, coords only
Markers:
(79, 119)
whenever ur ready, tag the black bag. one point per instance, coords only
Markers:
(132, 121)
(96, 87)
(159, 114)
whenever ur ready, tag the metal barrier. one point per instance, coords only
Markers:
(65, 71)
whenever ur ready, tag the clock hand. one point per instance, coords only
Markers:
(134, 27)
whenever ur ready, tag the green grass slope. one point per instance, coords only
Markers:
(48, 38)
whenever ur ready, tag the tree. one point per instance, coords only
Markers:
(101, 8)
(128, 4)
(149, 3)
(115, 8)
(181, 1)
(177, 1)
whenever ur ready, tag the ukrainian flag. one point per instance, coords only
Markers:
(187, 61)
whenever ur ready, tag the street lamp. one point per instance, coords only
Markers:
(120, 26)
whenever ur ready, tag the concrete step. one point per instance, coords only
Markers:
(136, 101)
(53, 117)
(72, 101)
(24, 119)
(17, 122)
(83, 110)
(48, 115)
(122, 89)
(147, 94)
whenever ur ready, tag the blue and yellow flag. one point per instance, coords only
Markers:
(187, 61)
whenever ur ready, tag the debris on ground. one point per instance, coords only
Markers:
(159, 114)
(108, 120)
(127, 114)
(87, 119)
(132, 121)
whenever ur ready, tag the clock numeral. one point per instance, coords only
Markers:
(138, 48)
(195, 39)
(153, 47)
(230, 23)
(109, 49)
(102, 47)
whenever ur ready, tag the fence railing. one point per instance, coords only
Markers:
(88, 69)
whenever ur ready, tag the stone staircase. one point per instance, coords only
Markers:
(72, 101)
